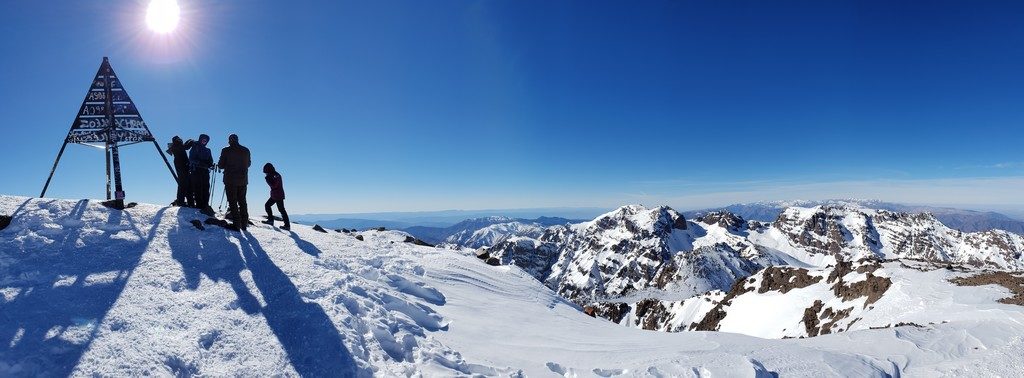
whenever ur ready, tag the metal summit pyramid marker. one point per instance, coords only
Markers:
(108, 119)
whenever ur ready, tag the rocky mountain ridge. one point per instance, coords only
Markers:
(634, 259)
(957, 219)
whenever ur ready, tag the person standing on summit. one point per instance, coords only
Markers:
(179, 150)
(276, 197)
(200, 161)
(235, 161)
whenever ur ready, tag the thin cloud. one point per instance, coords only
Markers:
(978, 191)
(1005, 165)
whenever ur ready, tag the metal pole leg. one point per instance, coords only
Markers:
(54, 169)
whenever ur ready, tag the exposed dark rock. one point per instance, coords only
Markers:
(611, 311)
(493, 261)
(651, 313)
(784, 279)
(900, 324)
(1011, 281)
(359, 237)
(713, 317)
(381, 229)
(833, 317)
(410, 239)
(811, 318)
(679, 223)
(316, 227)
(872, 287)
(724, 219)
(841, 269)
(5, 220)
(536, 258)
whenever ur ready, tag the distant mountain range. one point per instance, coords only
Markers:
(440, 219)
(480, 232)
(428, 225)
(958, 219)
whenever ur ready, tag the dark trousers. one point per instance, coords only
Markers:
(185, 196)
(237, 205)
(280, 209)
(201, 187)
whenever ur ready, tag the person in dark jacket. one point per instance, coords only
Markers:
(235, 161)
(276, 196)
(179, 150)
(200, 161)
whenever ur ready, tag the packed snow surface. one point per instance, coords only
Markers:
(86, 290)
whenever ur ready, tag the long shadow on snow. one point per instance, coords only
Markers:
(54, 316)
(212, 254)
(305, 246)
(307, 334)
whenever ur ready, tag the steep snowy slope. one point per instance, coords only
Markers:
(784, 302)
(91, 291)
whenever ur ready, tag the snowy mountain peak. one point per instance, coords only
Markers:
(723, 219)
(637, 218)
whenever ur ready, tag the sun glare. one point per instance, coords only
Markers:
(162, 15)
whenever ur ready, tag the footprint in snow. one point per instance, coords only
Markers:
(422, 315)
(417, 289)
(208, 339)
(559, 369)
(608, 372)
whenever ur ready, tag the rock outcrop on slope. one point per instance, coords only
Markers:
(788, 302)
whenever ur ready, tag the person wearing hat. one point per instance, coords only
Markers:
(235, 161)
(276, 196)
(200, 161)
(179, 150)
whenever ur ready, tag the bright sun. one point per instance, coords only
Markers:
(162, 15)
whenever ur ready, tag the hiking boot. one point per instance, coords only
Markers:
(286, 227)
(268, 221)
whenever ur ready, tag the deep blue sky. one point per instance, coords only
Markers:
(417, 105)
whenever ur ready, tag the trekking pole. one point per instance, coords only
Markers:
(213, 186)
(221, 206)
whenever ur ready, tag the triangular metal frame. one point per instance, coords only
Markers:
(108, 116)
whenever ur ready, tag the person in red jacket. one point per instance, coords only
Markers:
(276, 196)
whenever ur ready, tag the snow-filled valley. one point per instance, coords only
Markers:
(90, 291)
